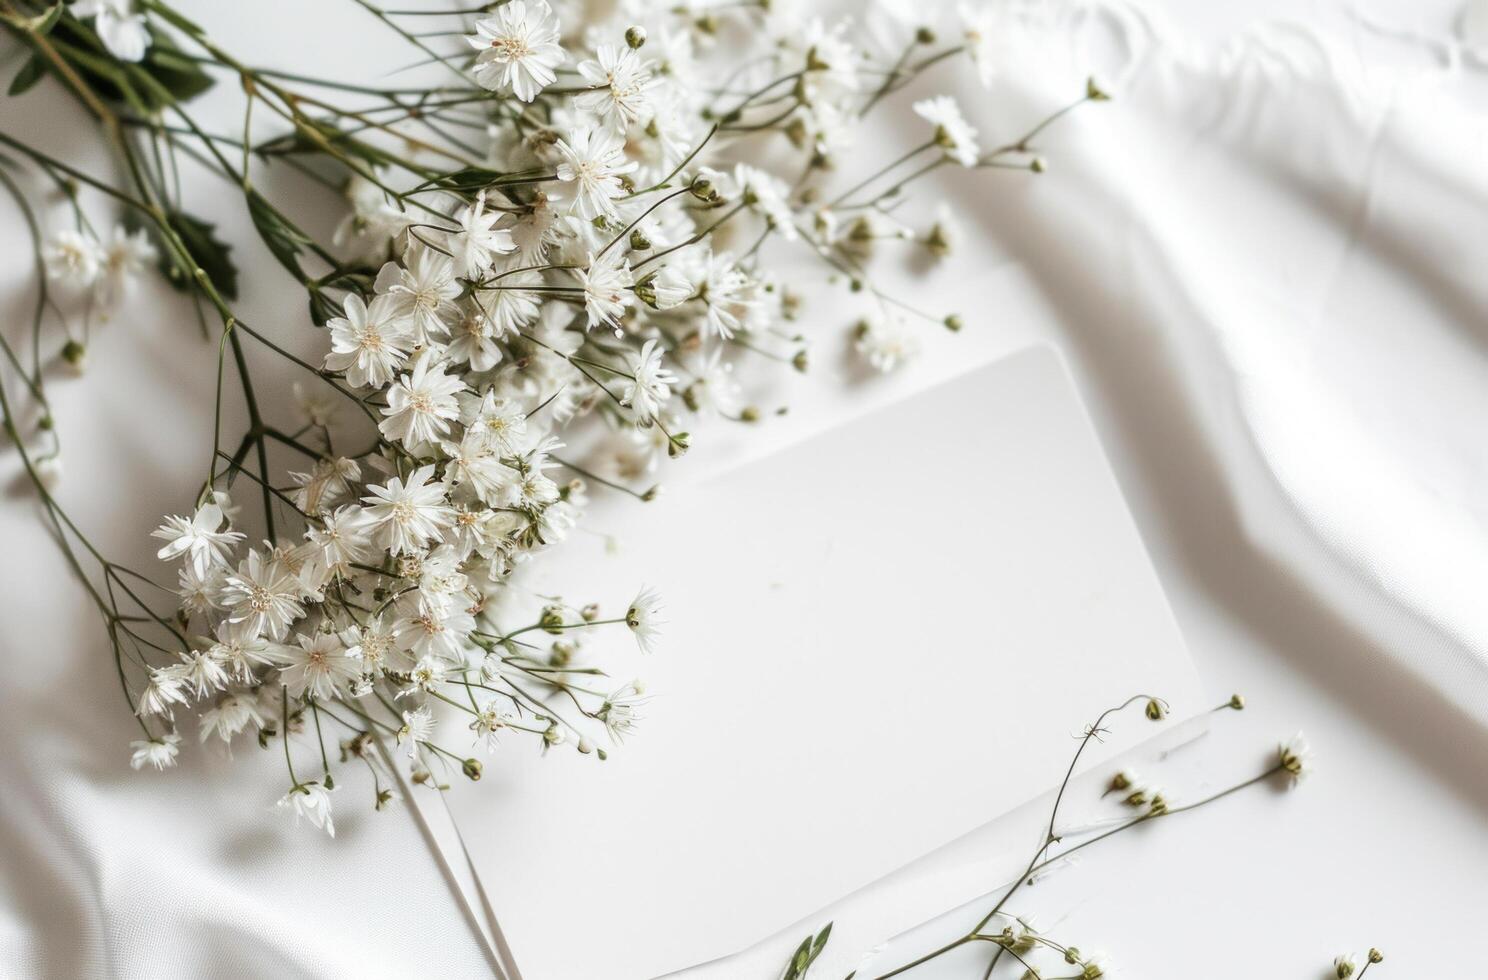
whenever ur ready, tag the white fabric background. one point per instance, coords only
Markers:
(1264, 262)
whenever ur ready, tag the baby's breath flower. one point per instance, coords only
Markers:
(1295, 757)
(312, 801)
(644, 619)
(650, 384)
(159, 752)
(518, 47)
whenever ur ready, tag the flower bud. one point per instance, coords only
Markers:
(1237, 702)
(551, 619)
(1156, 710)
(75, 354)
(953, 322)
(639, 242)
(1375, 956)
(472, 769)
(924, 36)
(678, 445)
(635, 36)
(701, 188)
(1094, 92)
(800, 361)
(585, 746)
(590, 612)
(749, 414)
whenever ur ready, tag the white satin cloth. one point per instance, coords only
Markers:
(1264, 259)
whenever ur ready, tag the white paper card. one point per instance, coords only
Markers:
(880, 639)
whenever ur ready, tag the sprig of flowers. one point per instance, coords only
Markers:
(555, 259)
(1031, 953)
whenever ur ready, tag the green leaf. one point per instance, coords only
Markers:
(806, 954)
(33, 71)
(208, 252)
(278, 233)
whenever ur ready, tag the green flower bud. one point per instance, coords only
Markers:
(635, 36)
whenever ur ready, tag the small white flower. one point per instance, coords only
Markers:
(318, 666)
(518, 48)
(649, 388)
(478, 240)
(593, 161)
(620, 79)
(422, 290)
(73, 258)
(230, 715)
(421, 405)
(374, 219)
(418, 726)
(644, 619)
(726, 290)
(261, 598)
(121, 30)
(199, 538)
(886, 342)
(313, 802)
(167, 687)
(158, 752)
(666, 289)
(619, 711)
(202, 669)
(607, 293)
(1295, 757)
(952, 132)
(369, 343)
(404, 516)
(1344, 966)
(124, 258)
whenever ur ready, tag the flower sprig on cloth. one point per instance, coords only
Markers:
(557, 251)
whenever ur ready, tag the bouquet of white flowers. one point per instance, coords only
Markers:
(564, 238)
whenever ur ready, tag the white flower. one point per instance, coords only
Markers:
(121, 30)
(518, 48)
(422, 289)
(1098, 967)
(498, 424)
(421, 405)
(261, 598)
(488, 722)
(952, 132)
(319, 666)
(373, 221)
(619, 711)
(886, 342)
(726, 291)
(241, 653)
(316, 405)
(369, 342)
(313, 802)
(478, 240)
(606, 284)
(327, 481)
(506, 306)
(198, 591)
(371, 643)
(650, 386)
(474, 343)
(620, 79)
(199, 538)
(768, 195)
(202, 669)
(229, 716)
(126, 255)
(666, 289)
(165, 688)
(433, 629)
(715, 390)
(418, 726)
(593, 161)
(73, 258)
(404, 516)
(158, 752)
(644, 619)
(1295, 757)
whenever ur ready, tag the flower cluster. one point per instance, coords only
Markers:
(558, 260)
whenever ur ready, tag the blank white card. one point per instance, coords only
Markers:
(880, 639)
